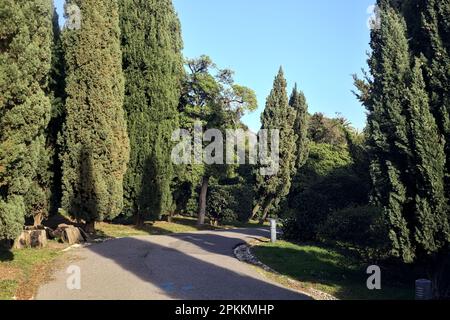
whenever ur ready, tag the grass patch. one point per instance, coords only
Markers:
(250, 224)
(329, 271)
(22, 271)
(179, 224)
(8, 289)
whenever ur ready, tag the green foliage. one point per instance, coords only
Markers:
(298, 103)
(428, 31)
(429, 38)
(243, 195)
(25, 61)
(338, 190)
(12, 214)
(362, 228)
(230, 203)
(96, 145)
(57, 92)
(323, 160)
(329, 181)
(210, 97)
(44, 195)
(153, 68)
(325, 130)
(271, 190)
(220, 204)
(405, 147)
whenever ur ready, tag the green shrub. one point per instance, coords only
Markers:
(243, 199)
(229, 203)
(311, 207)
(362, 228)
(220, 205)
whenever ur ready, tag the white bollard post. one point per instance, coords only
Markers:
(273, 230)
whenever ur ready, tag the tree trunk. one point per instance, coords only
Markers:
(255, 211)
(202, 202)
(265, 212)
(89, 227)
(38, 218)
(264, 217)
(139, 221)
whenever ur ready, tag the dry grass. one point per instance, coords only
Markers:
(22, 271)
(179, 225)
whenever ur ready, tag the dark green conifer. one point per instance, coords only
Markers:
(153, 67)
(96, 146)
(298, 103)
(406, 149)
(278, 115)
(25, 61)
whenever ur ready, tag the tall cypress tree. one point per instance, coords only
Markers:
(435, 46)
(278, 115)
(25, 59)
(387, 127)
(96, 145)
(153, 67)
(407, 154)
(298, 103)
(429, 37)
(428, 165)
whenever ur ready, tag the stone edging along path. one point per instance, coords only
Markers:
(243, 253)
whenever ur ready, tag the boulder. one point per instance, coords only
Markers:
(69, 234)
(31, 239)
(48, 231)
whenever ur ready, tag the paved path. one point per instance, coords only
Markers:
(198, 265)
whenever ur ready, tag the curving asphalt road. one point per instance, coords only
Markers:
(194, 266)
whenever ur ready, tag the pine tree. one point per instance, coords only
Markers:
(153, 67)
(25, 61)
(210, 97)
(278, 115)
(298, 103)
(406, 151)
(96, 146)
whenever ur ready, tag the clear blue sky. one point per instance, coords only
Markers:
(319, 43)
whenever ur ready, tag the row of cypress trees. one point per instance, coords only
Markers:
(86, 116)
(407, 98)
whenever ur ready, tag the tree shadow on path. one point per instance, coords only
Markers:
(190, 266)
